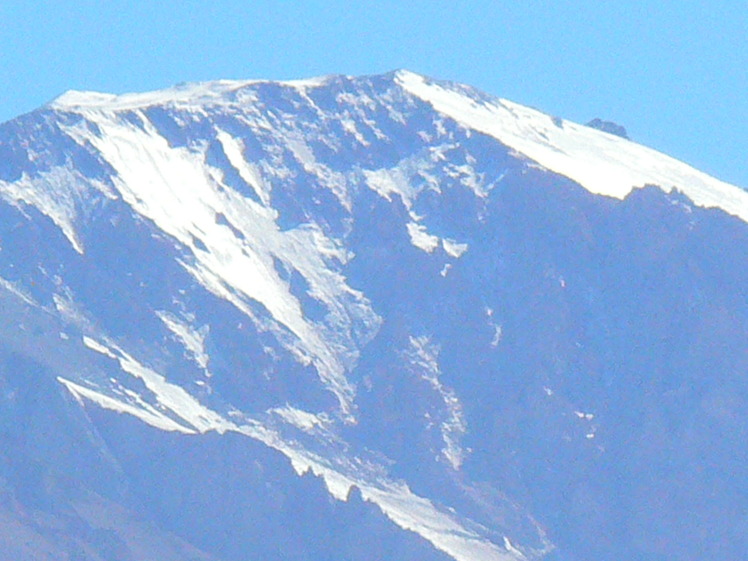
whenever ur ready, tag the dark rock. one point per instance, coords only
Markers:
(609, 127)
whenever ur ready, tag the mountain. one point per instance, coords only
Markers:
(381, 317)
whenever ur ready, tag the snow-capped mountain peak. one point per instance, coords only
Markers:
(195, 94)
(603, 163)
(463, 320)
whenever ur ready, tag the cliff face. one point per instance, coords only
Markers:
(363, 318)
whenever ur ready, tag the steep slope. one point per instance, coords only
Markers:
(488, 333)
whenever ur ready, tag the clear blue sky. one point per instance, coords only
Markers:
(675, 72)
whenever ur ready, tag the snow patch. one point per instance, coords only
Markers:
(453, 248)
(425, 356)
(192, 339)
(420, 238)
(148, 415)
(334, 181)
(497, 335)
(174, 187)
(94, 345)
(170, 398)
(602, 163)
(395, 499)
(349, 126)
(185, 414)
(234, 151)
(54, 194)
(196, 94)
(17, 289)
(387, 182)
(303, 420)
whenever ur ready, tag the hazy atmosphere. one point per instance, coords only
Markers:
(348, 281)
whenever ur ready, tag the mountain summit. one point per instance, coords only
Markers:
(383, 317)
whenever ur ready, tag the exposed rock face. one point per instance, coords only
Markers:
(364, 318)
(608, 126)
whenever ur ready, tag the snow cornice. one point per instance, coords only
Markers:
(217, 92)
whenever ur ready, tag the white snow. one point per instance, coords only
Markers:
(349, 126)
(176, 410)
(332, 180)
(395, 499)
(420, 238)
(94, 345)
(303, 420)
(407, 181)
(194, 94)
(192, 339)
(603, 163)
(406, 509)
(510, 546)
(419, 515)
(590, 430)
(169, 397)
(497, 335)
(180, 193)
(234, 151)
(53, 193)
(173, 397)
(453, 248)
(68, 309)
(147, 414)
(424, 355)
(17, 289)
(387, 182)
